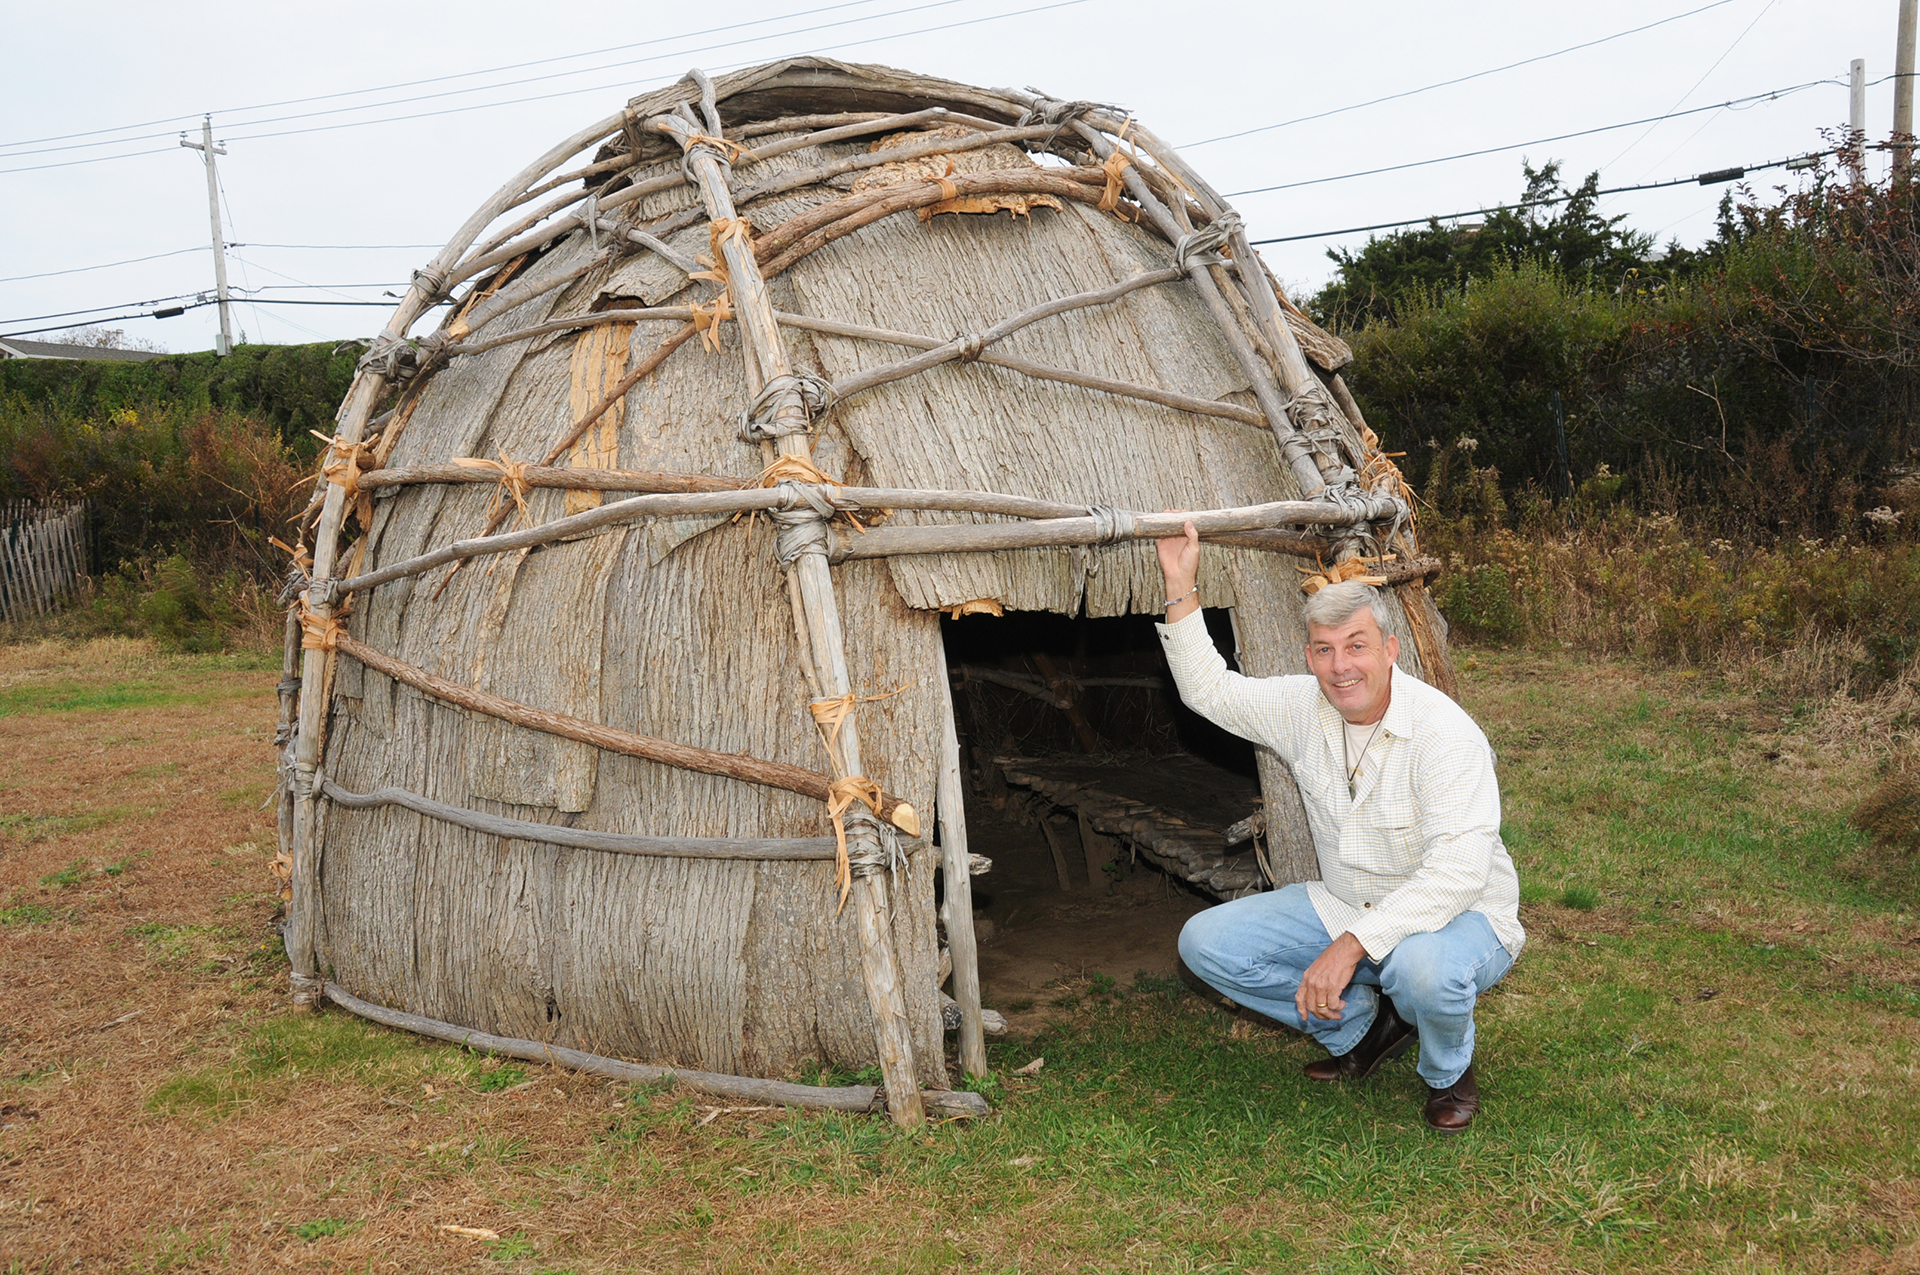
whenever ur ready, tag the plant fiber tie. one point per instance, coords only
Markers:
(513, 485)
(318, 632)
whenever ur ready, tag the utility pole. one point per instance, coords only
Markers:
(224, 345)
(1857, 121)
(1903, 93)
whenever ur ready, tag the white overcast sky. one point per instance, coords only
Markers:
(1189, 71)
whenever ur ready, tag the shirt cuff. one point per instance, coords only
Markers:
(1378, 934)
(1180, 629)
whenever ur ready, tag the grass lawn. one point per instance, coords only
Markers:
(1707, 1060)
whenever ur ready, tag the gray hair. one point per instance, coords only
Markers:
(1335, 604)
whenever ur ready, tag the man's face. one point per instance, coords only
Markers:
(1354, 665)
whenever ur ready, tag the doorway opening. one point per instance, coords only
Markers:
(1108, 807)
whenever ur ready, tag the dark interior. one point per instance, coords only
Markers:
(1103, 801)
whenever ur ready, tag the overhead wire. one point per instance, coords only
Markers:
(1765, 9)
(437, 79)
(504, 84)
(1770, 95)
(1699, 179)
(664, 79)
(105, 265)
(1442, 84)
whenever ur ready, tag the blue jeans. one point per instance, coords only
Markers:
(1256, 950)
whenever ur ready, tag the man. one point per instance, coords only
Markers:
(1417, 909)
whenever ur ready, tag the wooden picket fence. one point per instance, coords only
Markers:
(43, 555)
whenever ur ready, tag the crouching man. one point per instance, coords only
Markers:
(1417, 909)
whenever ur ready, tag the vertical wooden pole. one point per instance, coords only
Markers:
(767, 360)
(952, 808)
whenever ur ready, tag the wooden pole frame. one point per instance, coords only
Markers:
(767, 362)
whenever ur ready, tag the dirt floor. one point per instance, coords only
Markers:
(1035, 938)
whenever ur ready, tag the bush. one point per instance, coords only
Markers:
(211, 486)
(1630, 583)
(1771, 388)
(293, 388)
(169, 602)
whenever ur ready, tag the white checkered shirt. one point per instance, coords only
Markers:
(1419, 841)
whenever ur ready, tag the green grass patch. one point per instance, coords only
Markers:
(20, 913)
(322, 1227)
(265, 1061)
(504, 1077)
(40, 698)
(73, 874)
(1582, 898)
(248, 795)
(511, 1248)
(30, 828)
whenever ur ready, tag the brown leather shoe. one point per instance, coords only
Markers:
(1452, 1109)
(1388, 1037)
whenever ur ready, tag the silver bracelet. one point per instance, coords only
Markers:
(1174, 602)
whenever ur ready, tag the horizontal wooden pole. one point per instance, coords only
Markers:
(860, 1098)
(1058, 524)
(884, 542)
(790, 849)
(479, 345)
(651, 481)
(706, 761)
(857, 211)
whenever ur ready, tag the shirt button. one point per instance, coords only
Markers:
(1366, 905)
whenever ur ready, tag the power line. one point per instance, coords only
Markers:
(170, 312)
(196, 299)
(109, 265)
(180, 252)
(1770, 95)
(1394, 97)
(1744, 32)
(329, 247)
(664, 79)
(70, 314)
(504, 84)
(543, 97)
(1701, 179)
(438, 79)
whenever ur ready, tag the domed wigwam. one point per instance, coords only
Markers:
(622, 725)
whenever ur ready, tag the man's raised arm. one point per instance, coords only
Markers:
(1252, 708)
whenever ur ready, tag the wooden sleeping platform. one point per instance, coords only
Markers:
(1174, 812)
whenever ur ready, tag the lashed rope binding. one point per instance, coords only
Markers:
(397, 358)
(761, 423)
(869, 844)
(1202, 247)
(802, 522)
(1111, 523)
